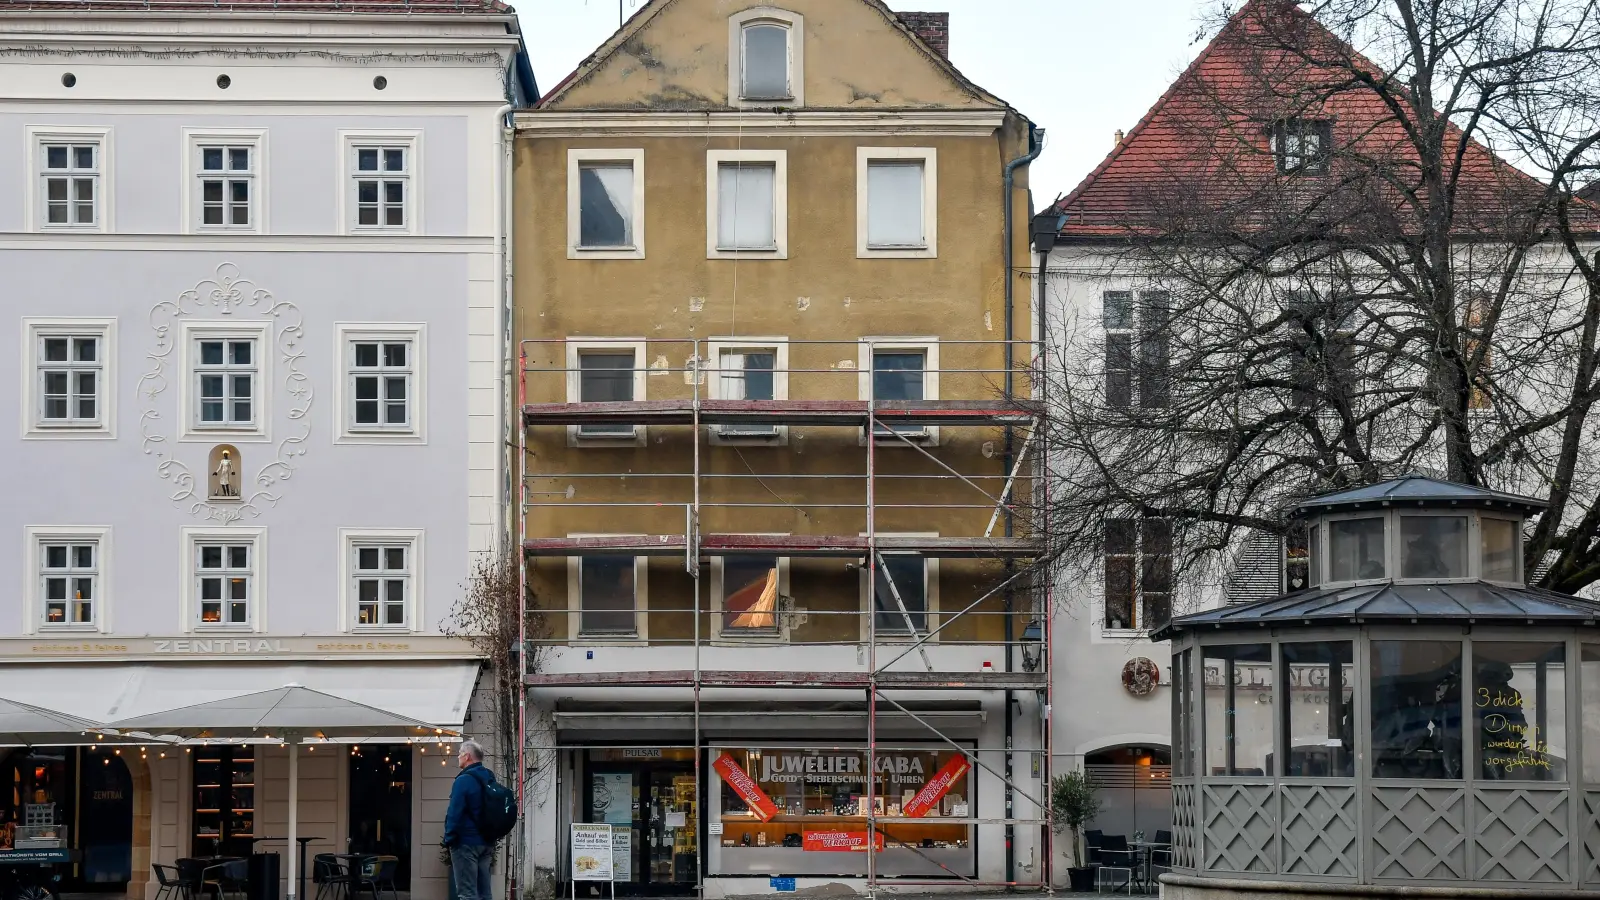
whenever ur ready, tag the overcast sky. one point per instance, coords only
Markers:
(1081, 69)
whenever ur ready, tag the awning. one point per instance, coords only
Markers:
(433, 691)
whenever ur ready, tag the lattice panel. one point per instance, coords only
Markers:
(1520, 835)
(1419, 832)
(1241, 834)
(1319, 829)
(1590, 823)
(1185, 838)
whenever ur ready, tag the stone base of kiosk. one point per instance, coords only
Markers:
(1175, 886)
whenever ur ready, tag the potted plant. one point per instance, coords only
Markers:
(1074, 802)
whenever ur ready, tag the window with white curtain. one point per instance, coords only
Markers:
(746, 213)
(896, 197)
(765, 63)
(605, 204)
(894, 204)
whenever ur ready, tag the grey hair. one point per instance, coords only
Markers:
(473, 749)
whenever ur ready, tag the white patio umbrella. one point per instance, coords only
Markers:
(290, 714)
(23, 725)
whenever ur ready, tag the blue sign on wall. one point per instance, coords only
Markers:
(783, 885)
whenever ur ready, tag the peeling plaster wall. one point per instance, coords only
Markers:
(855, 59)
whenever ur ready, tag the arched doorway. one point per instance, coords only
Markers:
(1135, 788)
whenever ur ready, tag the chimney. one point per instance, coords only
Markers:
(1116, 138)
(932, 27)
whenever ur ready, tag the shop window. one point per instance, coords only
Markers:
(1318, 709)
(379, 804)
(1355, 549)
(1416, 709)
(794, 811)
(1296, 560)
(1433, 546)
(1519, 720)
(224, 801)
(1182, 714)
(1238, 709)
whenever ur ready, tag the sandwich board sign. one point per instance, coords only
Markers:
(591, 853)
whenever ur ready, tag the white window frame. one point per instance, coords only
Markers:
(346, 336)
(779, 160)
(33, 202)
(796, 25)
(929, 158)
(776, 635)
(779, 346)
(575, 161)
(641, 600)
(34, 330)
(190, 335)
(350, 539)
(189, 578)
(576, 346)
(34, 539)
(196, 138)
(929, 346)
(930, 574)
(408, 139)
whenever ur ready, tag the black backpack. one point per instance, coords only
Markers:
(498, 815)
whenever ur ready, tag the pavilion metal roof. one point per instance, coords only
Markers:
(1464, 602)
(1415, 490)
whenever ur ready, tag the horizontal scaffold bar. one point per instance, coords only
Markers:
(784, 545)
(887, 681)
(900, 413)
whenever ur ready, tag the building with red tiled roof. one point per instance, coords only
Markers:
(1211, 152)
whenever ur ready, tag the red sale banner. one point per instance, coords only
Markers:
(937, 786)
(746, 787)
(839, 840)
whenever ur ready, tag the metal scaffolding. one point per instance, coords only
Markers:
(1007, 496)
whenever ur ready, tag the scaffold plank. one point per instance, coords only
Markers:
(896, 681)
(784, 545)
(901, 413)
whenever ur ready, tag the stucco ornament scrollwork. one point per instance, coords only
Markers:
(225, 296)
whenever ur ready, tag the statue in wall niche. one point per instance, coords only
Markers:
(224, 468)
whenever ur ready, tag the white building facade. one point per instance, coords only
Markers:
(255, 275)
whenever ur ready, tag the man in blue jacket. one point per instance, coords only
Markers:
(470, 854)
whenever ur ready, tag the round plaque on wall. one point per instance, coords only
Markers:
(1140, 676)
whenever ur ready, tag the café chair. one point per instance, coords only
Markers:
(171, 883)
(329, 875)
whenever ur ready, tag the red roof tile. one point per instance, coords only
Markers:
(365, 7)
(1203, 152)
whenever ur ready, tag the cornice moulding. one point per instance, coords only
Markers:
(618, 123)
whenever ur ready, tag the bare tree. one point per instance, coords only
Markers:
(489, 615)
(1362, 263)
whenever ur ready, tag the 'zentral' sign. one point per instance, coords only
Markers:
(222, 646)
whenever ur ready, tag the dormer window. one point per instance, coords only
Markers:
(766, 58)
(1303, 146)
(765, 61)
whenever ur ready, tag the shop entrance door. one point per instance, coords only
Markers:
(654, 810)
(380, 804)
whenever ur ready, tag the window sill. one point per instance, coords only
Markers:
(68, 432)
(69, 629)
(609, 639)
(874, 252)
(628, 252)
(214, 628)
(380, 437)
(1126, 633)
(380, 629)
(617, 440)
(748, 253)
(778, 437)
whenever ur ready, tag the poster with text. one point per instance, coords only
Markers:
(622, 854)
(746, 787)
(937, 786)
(592, 852)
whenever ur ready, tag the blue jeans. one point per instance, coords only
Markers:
(469, 872)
